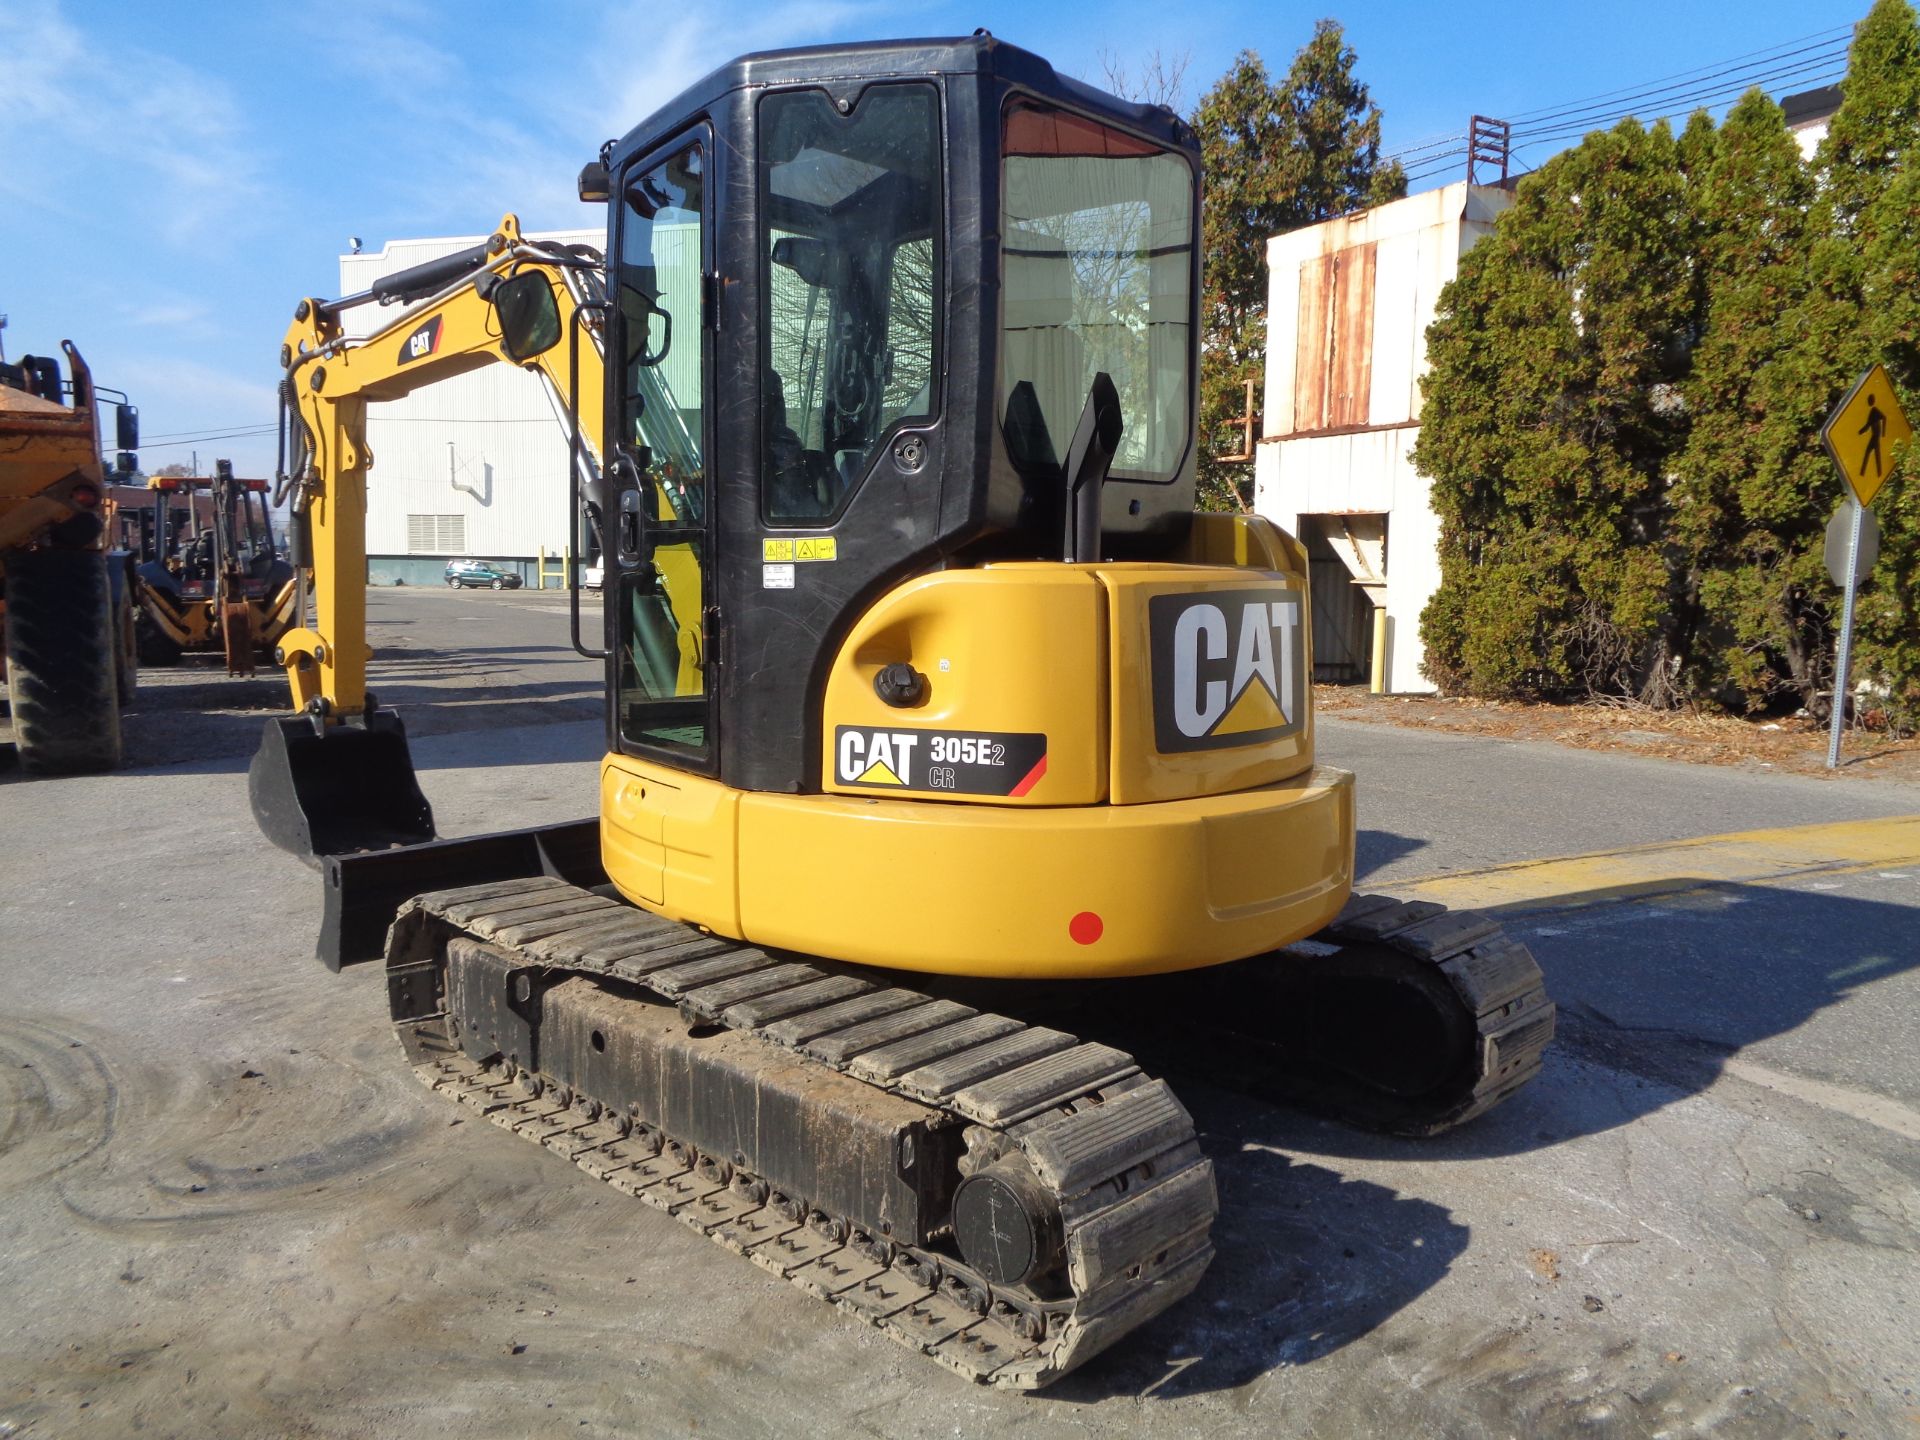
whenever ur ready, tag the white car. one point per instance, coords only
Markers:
(591, 576)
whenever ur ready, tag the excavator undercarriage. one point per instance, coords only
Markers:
(995, 1193)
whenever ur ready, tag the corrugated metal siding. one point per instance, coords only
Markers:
(487, 445)
(1341, 615)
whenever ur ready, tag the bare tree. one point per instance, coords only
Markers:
(1158, 80)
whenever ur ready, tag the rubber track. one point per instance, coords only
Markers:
(1115, 1148)
(1494, 978)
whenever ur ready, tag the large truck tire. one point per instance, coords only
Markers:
(126, 660)
(61, 661)
(153, 645)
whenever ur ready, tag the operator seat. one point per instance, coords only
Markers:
(801, 484)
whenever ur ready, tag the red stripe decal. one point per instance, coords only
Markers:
(1033, 779)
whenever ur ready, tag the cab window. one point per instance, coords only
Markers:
(850, 208)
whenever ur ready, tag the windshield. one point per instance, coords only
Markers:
(1097, 238)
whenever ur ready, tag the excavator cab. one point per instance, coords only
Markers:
(903, 564)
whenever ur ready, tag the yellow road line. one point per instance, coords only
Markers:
(1742, 858)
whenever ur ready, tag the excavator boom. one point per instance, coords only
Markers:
(337, 777)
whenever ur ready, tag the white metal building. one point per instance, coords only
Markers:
(1349, 302)
(471, 466)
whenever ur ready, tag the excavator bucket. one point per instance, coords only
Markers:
(347, 789)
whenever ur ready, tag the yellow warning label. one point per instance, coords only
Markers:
(1865, 432)
(816, 547)
(877, 774)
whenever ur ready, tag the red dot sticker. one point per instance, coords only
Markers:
(1085, 928)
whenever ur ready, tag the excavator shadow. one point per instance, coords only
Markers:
(1656, 994)
(1658, 991)
(1307, 1261)
(1376, 849)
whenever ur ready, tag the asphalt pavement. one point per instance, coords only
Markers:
(227, 1209)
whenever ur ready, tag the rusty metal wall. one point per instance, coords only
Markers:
(1350, 365)
(1311, 340)
(1333, 371)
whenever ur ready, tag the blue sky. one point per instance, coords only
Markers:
(174, 177)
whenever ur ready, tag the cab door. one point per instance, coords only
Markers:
(660, 371)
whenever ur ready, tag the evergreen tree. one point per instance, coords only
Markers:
(1753, 487)
(1872, 261)
(1628, 383)
(1276, 157)
(1552, 415)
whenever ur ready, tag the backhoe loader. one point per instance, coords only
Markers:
(918, 659)
(224, 587)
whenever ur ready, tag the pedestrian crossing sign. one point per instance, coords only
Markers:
(1866, 433)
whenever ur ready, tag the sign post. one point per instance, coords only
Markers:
(1861, 436)
(1844, 657)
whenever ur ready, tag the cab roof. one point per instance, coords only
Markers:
(847, 69)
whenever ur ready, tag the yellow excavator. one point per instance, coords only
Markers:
(938, 720)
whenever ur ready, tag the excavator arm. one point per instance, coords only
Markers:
(338, 777)
(509, 300)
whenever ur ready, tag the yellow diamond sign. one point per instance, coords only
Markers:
(1865, 434)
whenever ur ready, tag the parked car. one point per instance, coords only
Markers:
(592, 576)
(468, 574)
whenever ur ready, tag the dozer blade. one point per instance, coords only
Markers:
(363, 893)
(347, 789)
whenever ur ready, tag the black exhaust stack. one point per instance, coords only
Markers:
(340, 790)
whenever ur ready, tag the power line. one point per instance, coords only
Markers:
(1626, 91)
(1674, 104)
(197, 434)
(1528, 139)
(1433, 142)
(1824, 63)
(260, 433)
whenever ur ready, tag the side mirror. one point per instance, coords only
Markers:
(806, 258)
(126, 424)
(529, 315)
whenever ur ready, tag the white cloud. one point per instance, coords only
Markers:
(141, 142)
(177, 316)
